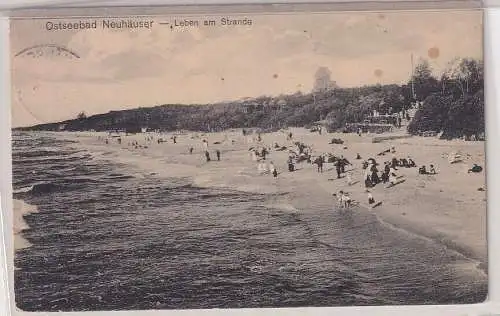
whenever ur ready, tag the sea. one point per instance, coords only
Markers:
(106, 239)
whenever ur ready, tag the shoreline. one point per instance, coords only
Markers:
(21, 208)
(446, 208)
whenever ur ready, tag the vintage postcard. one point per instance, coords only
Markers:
(292, 159)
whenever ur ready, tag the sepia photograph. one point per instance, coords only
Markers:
(293, 159)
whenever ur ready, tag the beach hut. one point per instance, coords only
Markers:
(367, 127)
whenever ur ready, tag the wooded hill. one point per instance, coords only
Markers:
(452, 103)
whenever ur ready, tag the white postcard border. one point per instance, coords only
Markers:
(491, 49)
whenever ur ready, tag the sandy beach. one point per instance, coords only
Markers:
(447, 207)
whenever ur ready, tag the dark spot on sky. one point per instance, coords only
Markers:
(433, 52)
(275, 76)
(378, 73)
(222, 79)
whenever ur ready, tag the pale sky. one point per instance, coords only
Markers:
(278, 54)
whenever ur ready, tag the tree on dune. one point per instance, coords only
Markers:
(82, 115)
(457, 108)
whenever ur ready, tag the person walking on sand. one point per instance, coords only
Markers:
(207, 155)
(205, 145)
(217, 152)
(338, 168)
(191, 150)
(343, 163)
(319, 161)
(273, 170)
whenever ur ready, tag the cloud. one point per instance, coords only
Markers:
(28, 71)
(134, 64)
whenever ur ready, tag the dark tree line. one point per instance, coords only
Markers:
(452, 104)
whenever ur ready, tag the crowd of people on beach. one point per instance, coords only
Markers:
(388, 175)
(375, 172)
